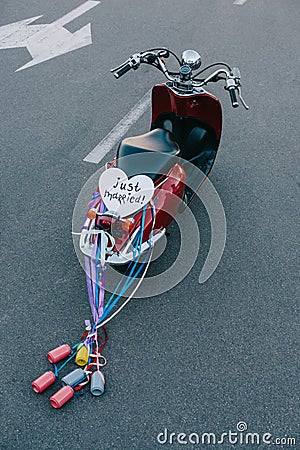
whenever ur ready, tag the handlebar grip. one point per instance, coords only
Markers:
(119, 73)
(233, 97)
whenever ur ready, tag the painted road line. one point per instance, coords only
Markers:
(239, 2)
(116, 134)
(47, 41)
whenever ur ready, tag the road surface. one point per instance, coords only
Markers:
(196, 359)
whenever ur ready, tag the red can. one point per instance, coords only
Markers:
(61, 397)
(42, 382)
(59, 353)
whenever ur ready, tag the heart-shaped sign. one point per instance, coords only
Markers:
(122, 195)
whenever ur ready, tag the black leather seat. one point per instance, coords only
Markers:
(159, 142)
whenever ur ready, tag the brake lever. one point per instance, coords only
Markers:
(163, 53)
(236, 74)
(241, 98)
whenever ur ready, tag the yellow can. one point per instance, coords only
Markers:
(82, 355)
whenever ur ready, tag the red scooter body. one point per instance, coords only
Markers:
(185, 133)
(204, 107)
(200, 111)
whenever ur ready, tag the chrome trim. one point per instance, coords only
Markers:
(196, 90)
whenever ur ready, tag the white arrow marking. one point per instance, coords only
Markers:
(47, 41)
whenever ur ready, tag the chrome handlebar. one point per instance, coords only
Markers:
(232, 78)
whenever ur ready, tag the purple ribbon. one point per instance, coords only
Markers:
(91, 278)
(90, 286)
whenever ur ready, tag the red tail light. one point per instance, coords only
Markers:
(105, 223)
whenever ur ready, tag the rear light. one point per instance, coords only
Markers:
(105, 223)
(128, 224)
(122, 228)
(117, 227)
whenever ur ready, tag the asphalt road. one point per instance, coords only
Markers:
(199, 358)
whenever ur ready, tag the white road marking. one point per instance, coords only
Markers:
(116, 134)
(239, 2)
(47, 41)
